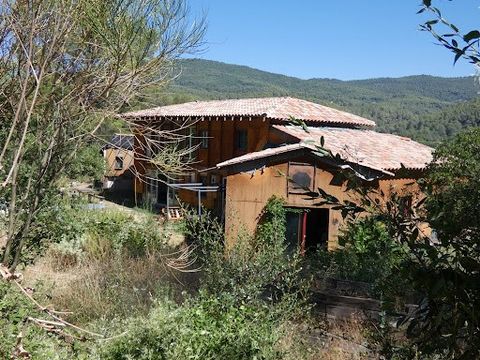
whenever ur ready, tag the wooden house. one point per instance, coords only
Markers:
(249, 149)
(119, 160)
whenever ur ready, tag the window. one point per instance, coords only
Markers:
(213, 179)
(192, 132)
(118, 163)
(204, 139)
(242, 140)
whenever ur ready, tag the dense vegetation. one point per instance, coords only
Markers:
(423, 107)
(117, 279)
(251, 299)
(440, 264)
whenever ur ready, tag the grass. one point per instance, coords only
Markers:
(110, 285)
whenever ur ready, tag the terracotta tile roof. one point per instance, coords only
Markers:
(366, 147)
(277, 108)
(262, 154)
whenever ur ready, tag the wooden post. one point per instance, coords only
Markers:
(199, 202)
(303, 233)
(168, 201)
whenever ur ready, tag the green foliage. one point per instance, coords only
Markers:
(203, 328)
(73, 232)
(443, 269)
(88, 164)
(247, 292)
(250, 268)
(447, 271)
(463, 45)
(368, 254)
(272, 226)
(15, 308)
(454, 184)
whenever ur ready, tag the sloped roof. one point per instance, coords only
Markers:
(366, 147)
(277, 108)
(121, 141)
(263, 154)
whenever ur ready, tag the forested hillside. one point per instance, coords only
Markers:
(426, 108)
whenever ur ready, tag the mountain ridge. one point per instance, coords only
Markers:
(402, 106)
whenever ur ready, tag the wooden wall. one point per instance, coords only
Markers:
(222, 142)
(222, 146)
(247, 194)
(110, 155)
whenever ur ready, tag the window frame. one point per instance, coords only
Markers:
(116, 162)
(204, 139)
(241, 135)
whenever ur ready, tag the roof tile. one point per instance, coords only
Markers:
(277, 108)
(366, 147)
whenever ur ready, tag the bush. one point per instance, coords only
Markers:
(72, 232)
(205, 328)
(88, 164)
(254, 267)
(368, 254)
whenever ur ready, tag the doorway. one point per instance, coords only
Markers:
(315, 229)
(307, 229)
(162, 190)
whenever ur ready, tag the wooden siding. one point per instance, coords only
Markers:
(247, 194)
(110, 156)
(221, 146)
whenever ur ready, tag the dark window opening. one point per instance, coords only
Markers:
(307, 229)
(316, 229)
(118, 163)
(302, 177)
(302, 180)
(293, 230)
(162, 189)
(242, 140)
(204, 139)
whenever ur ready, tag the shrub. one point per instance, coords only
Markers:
(368, 254)
(88, 163)
(72, 232)
(205, 328)
(254, 268)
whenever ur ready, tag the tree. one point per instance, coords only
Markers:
(462, 44)
(443, 267)
(67, 67)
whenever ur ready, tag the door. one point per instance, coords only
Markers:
(307, 229)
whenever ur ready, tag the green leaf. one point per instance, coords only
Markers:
(474, 34)
(458, 55)
(431, 22)
(454, 28)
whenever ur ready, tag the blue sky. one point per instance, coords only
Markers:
(344, 39)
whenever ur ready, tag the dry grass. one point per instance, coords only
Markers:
(109, 287)
(328, 340)
(347, 339)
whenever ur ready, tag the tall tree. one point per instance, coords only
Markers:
(65, 68)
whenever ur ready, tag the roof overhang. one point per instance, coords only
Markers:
(270, 157)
